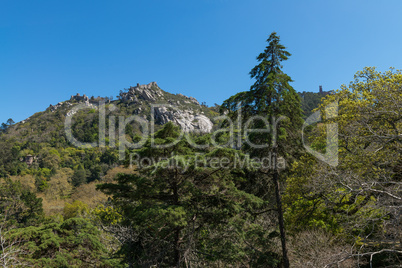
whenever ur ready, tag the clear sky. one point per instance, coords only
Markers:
(51, 49)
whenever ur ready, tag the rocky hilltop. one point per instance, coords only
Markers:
(151, 103)
(179, 109)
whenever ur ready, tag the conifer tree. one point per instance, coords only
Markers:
(186, 208)
(274, 99)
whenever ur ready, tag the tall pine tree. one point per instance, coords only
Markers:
(275, 107)
(187, 208)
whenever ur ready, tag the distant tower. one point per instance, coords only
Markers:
(320, 89)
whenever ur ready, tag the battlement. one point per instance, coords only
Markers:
(78, 97)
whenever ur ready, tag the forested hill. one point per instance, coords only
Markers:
(42, 126)
(45, 177)
(43, 135)
(45, 130)
(311, 101)
(50, 176)
(154, 179)
(48, 126)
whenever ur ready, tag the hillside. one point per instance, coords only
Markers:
(43, 135)
(182, 110)
(38, 152)
(311, 100)
(50, 187)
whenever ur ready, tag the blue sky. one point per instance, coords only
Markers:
(50, 50)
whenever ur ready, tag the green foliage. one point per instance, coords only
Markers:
(310, 101)
(79, 177)
(355, 200)
(75, 209)
(271, 96)
(181, 198)
(107, 215)
(19, 205)
(182, 208)
(10, 122)
(273, 106)
(72, 243)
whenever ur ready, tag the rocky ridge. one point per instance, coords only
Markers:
(179, 109)
(152, 103)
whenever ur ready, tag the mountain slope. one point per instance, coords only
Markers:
(148, 102)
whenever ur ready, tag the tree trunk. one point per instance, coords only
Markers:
(280, 212)
(177, 248)
(178, 229)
